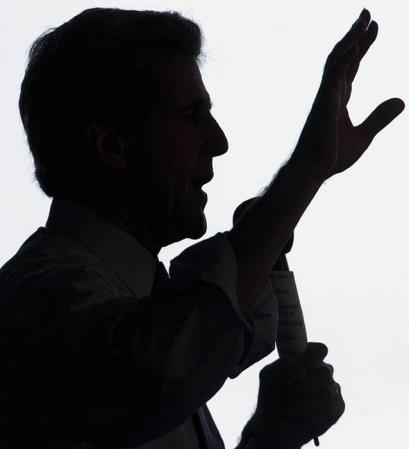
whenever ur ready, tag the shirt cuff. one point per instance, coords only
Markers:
(213, 260)
(263, 319)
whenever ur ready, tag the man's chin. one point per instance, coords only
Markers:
(198, 232)
(192, 227)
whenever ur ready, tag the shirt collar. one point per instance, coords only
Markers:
(131, 261)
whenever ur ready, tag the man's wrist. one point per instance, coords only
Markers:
(305, 171)
(250, 441)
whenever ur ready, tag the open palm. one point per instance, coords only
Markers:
(329, 142)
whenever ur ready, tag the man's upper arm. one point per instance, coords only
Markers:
(127, 369)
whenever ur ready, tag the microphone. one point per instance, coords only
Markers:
(291, 333)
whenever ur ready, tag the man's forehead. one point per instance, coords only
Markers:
(180, 83)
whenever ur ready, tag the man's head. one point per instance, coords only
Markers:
(115, 111)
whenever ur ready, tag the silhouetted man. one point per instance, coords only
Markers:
(100, 348)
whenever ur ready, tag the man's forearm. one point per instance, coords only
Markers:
(259, 237)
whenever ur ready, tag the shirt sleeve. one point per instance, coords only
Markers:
(213, 261)
(126, 370)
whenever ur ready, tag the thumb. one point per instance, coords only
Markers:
(313, 356)
(381, 117)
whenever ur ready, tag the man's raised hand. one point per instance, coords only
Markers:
(329, 142)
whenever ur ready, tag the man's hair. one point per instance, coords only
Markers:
(94, 68)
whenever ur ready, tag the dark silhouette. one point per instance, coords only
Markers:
(100, 348)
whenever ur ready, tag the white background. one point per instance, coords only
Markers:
(263, 67)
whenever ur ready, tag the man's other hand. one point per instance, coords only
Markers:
(329, 142)
(297, 400)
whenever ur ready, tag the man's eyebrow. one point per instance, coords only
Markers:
(204, 101)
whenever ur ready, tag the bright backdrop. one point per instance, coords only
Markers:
(264, 63)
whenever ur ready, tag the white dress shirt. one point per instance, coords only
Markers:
(101, 352)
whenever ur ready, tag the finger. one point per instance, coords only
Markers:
(338, 72)
(368, 39)
(298, 372)
(325, 394)
(380, 118)
(282, 369)
(314, 355)
(357, 29)
(314, 382)
(352, 36)
(314, 404)
(330, 368)
(323, 419)
(363, 45)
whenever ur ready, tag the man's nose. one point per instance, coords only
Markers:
(218, 143)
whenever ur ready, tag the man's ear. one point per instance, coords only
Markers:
(108, 145)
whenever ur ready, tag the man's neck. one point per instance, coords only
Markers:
(129, 217)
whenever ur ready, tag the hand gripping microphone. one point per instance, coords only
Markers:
(291, 333)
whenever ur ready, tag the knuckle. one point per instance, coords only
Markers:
(322, 377)
(337, 409)
(341, 405)
(331, 411)
(330, 81)
(329, 367)
(329, 63)
(327, 372)
(328, 393)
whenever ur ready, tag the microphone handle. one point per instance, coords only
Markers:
(291, 334)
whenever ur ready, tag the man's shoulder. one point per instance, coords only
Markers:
(49, 263)
(44, 249)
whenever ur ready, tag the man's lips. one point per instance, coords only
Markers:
(199, 182)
